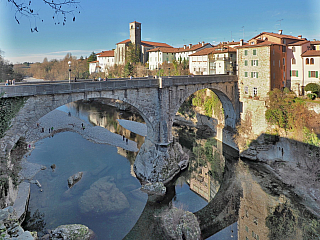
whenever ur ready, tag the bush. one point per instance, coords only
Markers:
(312, 96)
(312, 87)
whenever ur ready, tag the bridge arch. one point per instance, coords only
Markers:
(227, 93)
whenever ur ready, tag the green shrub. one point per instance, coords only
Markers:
(312, 96)
(313, 87)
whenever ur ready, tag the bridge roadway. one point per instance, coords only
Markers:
(64, 87)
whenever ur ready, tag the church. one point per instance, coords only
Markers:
(135, 39)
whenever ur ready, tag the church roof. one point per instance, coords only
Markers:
(148, 43)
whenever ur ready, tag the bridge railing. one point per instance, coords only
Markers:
(87, 86)
(41, 89)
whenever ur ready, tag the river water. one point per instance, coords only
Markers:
(231, 197)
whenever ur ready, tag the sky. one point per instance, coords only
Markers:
(102, 24)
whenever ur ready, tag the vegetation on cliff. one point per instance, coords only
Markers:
(9, 107)
(289, 114)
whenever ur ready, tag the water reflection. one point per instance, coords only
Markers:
(232, 198)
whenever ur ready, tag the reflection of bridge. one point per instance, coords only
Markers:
(157, 100)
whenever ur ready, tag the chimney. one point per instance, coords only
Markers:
(241, 42)
(300, 36)
(184, 46)
(280, 32)
(190, 45)
(202, 43)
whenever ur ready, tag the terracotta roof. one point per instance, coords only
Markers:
(215, 50)
(193, 47)
(94, 62)
(106, 53)
(279, 36)
(298, 43)
(261, 44)
(315, 42)
(156, 44)
(164, 50)
(124, 41)
(311, 53)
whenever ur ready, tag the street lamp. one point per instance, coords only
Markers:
(69, 63)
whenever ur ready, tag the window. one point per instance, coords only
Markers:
(273, 51)
(245, 74)
(307, 60)
(246, 90)
(247, 229)
(274, 63)
(283, 61)
(293, 60)
(254, 74)
(246, 62)
(311, 61)
(284, 75)
(294, 73)
(245, 52)
(293, 49)
(254, 52)
(313, 74)
(254, 62)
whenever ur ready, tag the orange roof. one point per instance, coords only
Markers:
(94, 62)
(164, 50)
(106, 54)
(311, 53)
(193, 47)
(298, 43)
(261, 44)
(124, 41)
(279, 36)
(315, 42)
(215, 50)
(155, 44)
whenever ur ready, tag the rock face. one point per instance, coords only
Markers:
(9, 228)
(159, 164)
(180, 224)
(74, 179)
(71, 232)
(157, 188)
(103, 197)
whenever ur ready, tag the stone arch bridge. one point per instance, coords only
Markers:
(157, 100)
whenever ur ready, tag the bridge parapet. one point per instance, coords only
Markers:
(74, 87)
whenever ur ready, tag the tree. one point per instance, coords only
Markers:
(60, 8)
(92, 57)
(133, 53)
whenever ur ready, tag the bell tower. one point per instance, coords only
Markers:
(135, 33)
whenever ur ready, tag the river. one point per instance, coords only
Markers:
(231, 197)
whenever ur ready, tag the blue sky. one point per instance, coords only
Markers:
(102, 24)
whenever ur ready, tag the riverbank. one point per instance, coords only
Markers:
(59, 121)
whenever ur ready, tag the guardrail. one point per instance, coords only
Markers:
(112, 84)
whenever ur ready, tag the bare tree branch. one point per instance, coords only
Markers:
(60, 8)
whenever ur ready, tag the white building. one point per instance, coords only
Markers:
(94, 67)
(218, 60)
(105, 59)
(160, 55)
(295, 70)
(311, 65)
